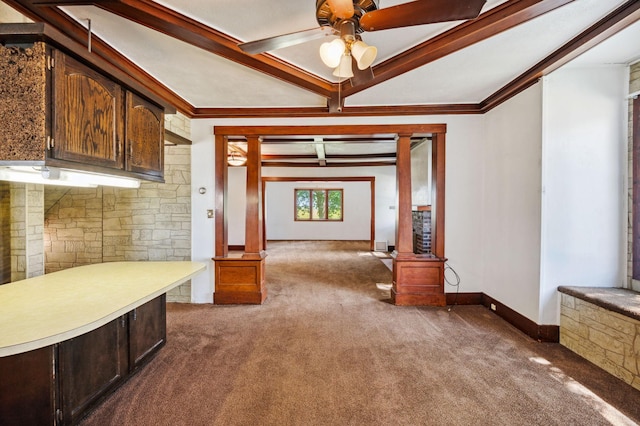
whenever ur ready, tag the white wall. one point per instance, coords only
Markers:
(385, 187)
(421, 170)
(465, 146)
(237, 207)
(465, 140)
(385, 198)
(510, 218)
(281, 225)
(202, 228)
(584, 182)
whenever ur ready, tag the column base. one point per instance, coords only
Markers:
(418, 280)
(239, 281)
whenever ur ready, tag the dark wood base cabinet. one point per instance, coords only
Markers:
(28, 389)
(60, 384)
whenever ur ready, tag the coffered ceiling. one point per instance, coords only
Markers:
(187, 53)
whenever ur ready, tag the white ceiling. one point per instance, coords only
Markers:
(467, 76)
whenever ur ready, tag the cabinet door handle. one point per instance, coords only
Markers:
(135, 314)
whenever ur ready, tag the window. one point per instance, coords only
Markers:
(318, 204)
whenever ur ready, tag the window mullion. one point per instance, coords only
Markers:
(326, 204)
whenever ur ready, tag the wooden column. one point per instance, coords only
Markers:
(404, 229)
(437, 194)
(417, 279)
(221, 148)
(253, 242)
(240, 280)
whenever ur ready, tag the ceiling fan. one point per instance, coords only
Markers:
(350, 18)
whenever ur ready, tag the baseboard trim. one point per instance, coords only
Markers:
(541, 333)
(464, 298)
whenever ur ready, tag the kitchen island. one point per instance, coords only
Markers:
(69, 338)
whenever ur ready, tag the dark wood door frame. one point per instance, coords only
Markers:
(370, 179)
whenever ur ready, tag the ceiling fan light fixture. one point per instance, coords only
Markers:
(363, 54)
(236, 160)
(342, 9)
(331, 52)
(344, 69)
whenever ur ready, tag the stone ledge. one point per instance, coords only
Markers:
(623, 301)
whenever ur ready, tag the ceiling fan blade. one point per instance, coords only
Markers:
(421, 12)
(285, 40)
(360, 76)
(342, 9)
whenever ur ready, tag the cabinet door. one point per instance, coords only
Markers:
(27, 388)
(145, 137)
(88, 115)
(90, 366)
(147, 330)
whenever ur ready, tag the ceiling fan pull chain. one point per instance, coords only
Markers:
(340, 96)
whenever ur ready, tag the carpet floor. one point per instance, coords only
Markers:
(327, 348)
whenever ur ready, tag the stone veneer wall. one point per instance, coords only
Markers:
(27, 225)
(5, 232)
(86, 225)
(179, 166)
(106, 224)
(73, 228)
(606, 338)
(154, 221)
(634, 86)
(178, 124)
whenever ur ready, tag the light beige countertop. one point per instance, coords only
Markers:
(51, 308)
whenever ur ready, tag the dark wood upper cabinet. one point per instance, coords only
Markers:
(145, 136)
(64, 107)
(88, 115)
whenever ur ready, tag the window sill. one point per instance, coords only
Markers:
(621, 300)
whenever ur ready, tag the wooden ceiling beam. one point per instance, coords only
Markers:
(315, 164)
(162, 19)
(276, 157)
(359, 111)
(416, 130)
(268, 140)
(490, 23)
(167, 21)
(496, 20)
(617, 20)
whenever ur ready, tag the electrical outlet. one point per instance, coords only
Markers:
(493, 307)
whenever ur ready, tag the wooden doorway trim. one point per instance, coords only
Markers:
(222, 133)
(370, 179)
(417, 279)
